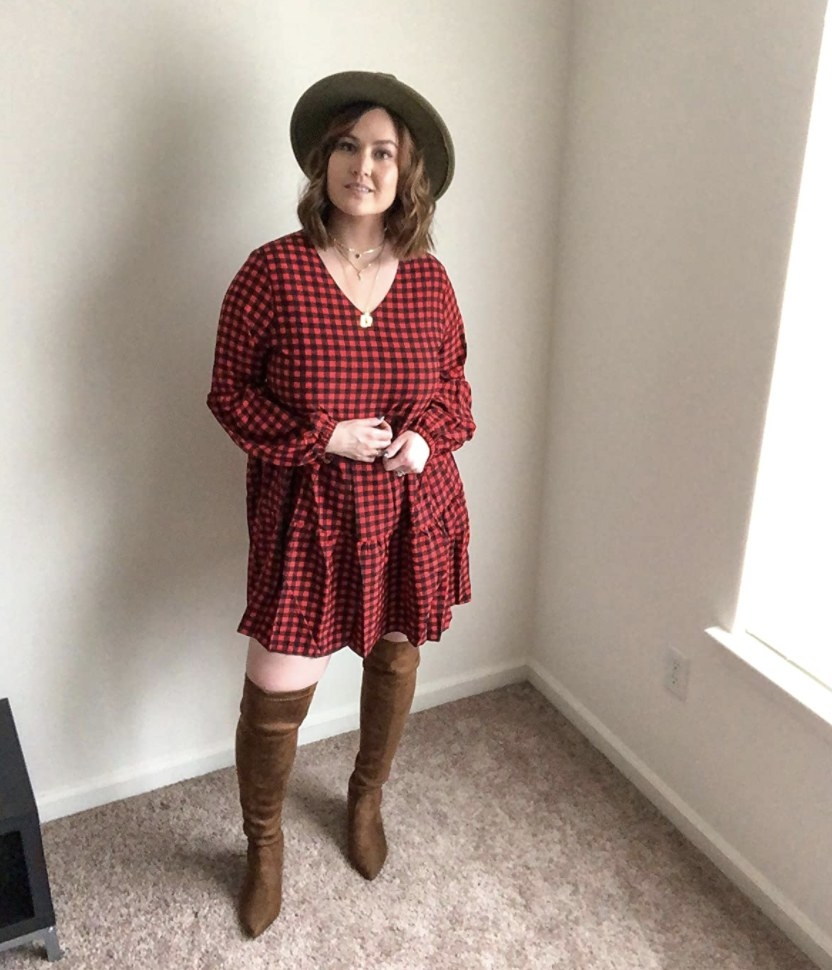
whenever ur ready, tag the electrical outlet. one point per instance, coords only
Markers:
(677, 673)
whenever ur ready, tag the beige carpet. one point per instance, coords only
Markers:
(514, 844)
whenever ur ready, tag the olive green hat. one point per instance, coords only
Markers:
(327, 97)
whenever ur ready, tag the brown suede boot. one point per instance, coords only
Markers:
(386, 695)
(267, 737)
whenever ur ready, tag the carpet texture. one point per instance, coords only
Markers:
(514, 844)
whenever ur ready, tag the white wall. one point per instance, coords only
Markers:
(148, 155)
(685, 130)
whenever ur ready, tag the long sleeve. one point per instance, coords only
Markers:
(447, 423)
(239, 397)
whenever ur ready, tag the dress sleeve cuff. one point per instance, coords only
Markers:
(322, 427)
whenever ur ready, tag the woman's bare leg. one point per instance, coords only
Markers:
(394, 637)
(280, 672)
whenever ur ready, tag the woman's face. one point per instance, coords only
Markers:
(363, 169)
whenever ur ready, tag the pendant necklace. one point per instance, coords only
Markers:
(365, 321)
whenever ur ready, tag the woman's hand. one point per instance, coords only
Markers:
(407, 455)
(363, 439)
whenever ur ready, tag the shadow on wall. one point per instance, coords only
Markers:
(164, 497)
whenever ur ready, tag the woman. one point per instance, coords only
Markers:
(339, 370)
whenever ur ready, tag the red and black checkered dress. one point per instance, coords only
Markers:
(342, 552)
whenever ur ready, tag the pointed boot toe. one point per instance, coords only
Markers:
(262, 892)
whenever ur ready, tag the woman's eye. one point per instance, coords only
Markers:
(344, 146)
(383, 154)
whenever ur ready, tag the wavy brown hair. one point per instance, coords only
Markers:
(408, 220)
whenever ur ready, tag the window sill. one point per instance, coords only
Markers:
(811, 697)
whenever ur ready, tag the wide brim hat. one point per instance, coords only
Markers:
(320, 103)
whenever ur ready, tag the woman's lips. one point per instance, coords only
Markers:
(359, 189)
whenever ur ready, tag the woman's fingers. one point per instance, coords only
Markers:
(380, 433)
(395, 458)
(362, 439)
(373, 436)
(395, 446)
(407, 454)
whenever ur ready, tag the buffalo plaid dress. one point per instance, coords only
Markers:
(342, 552)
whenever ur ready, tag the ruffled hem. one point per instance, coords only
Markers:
(318, 584)
(251, 626)
(335, 591)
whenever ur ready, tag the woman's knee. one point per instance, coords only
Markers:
(394, 637)
(280, 672)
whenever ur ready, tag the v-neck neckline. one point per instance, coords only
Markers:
(372, 310)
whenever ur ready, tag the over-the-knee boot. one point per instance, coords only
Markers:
(267, 737)
(386, 695)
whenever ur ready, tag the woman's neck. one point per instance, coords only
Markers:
(361, 234)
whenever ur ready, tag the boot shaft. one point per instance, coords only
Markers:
(387, 690)
(266, 742)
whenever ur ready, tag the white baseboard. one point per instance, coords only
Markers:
(130, 781)
(150, 776)
(814, 942)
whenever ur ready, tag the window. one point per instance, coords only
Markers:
(786, 595)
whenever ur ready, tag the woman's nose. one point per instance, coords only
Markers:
(361, 163)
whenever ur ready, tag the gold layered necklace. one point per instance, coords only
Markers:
(349, 254)
(365, 321)
(356, 253)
